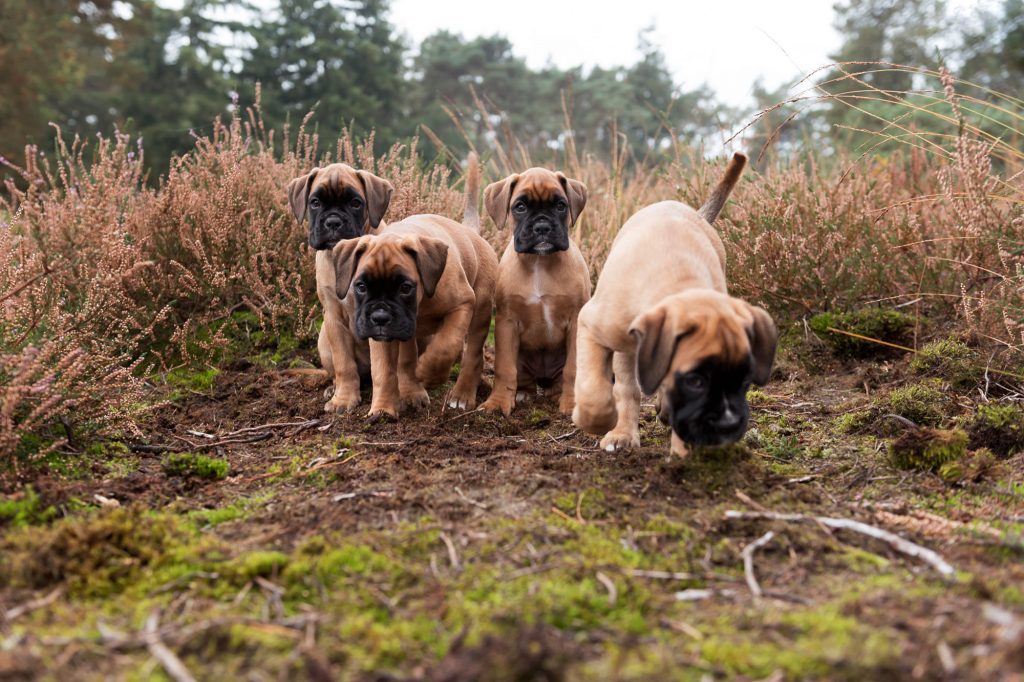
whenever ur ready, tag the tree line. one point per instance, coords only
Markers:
(164, 73)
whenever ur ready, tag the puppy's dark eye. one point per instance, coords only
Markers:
(359, 287)
(314, 203)
(356, 203)
(519, 207)
(407, 288)
(561, 207)
(695, 382)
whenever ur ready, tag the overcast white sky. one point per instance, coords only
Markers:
(726, 43)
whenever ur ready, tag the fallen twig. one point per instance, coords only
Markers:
(32, 605)
(613, 594)
(748, 563)
(895, 541)
(172, 665)
(453, 556)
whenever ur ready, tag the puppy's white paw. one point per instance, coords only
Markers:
(614, 441)
(521, 396)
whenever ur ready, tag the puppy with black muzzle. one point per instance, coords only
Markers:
(342, 204)
(661, 321)
(423, 291)
(543, 281)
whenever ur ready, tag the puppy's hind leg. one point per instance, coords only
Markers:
(626, 433)
(595, 408)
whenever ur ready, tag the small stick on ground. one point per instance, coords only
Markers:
(453, 556)
(579, 508)
(172, 665)
(748, 562)
(33, 605)
(895, 541)
(613, 594)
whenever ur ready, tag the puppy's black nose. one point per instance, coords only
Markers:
(542, 228)
(332, 222)
(380, 317)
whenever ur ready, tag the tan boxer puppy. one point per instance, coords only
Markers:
(543, 281)
(662, 321)
(423, 291)
(342, 203)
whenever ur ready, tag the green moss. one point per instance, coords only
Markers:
(853, 422)
(924, 403)
(757, 398)
(93, 554)
(25, 509)
(238, 509)
(811, 644)
(876, 323)
(998, 427)
(949, 359)
(185, 381)
(192, 464)
(928, 449)
(264, 564)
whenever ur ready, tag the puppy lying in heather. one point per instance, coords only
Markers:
(543, 281)
(423, 291)
(661, 321)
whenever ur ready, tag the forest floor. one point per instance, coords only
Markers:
(467, 546)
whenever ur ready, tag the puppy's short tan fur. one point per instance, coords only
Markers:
(661, 306)
(538, 296)
(456, 270)
(344, 358)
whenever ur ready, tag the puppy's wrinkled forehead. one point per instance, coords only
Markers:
(335, 180)
(721, 334)
(538, 185)
(386, 257)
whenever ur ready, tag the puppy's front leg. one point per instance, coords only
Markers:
(506, 365)
(410, 390)
(339, 358)
(446, 345)
(567, 401)
(463, 395)
(626, 433)
(678, 447)
(595, 408)
(384, 370)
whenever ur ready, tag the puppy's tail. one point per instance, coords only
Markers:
(713, 206)
(471, 216)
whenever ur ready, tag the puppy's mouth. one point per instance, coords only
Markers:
(543, 248)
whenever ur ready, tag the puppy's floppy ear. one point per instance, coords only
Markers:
(430, 255)
(576, 192)
(378, 193)
(497, 196)
(656, 343)
(346, 255)
(764, 338)
(298, 194)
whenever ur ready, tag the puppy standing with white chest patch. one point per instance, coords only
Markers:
(543, 281)
(342, 203)
(661, 320)
(423, 291)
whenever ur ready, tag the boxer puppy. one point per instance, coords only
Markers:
(543, 281)
(423, 290)
(342, 204)
(662, 321)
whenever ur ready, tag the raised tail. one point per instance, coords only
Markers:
(713, 206)
(471, 216)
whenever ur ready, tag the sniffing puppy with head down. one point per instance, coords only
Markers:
(342, 203)
(543, 281)
(423, 292)
(661, 321)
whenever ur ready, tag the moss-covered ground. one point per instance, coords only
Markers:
(470, 547)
